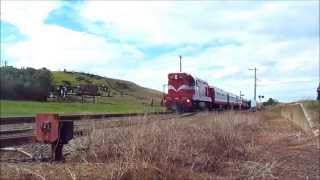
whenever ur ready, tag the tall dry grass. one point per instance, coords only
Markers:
(204, 146)
(188, 148)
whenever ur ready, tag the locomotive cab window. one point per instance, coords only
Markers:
(191, 82)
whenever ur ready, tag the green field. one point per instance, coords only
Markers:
(30, 108)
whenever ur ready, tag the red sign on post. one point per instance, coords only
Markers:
(47, 128)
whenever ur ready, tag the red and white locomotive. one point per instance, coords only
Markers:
(186, 93)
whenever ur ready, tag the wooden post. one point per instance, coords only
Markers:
(56, 151)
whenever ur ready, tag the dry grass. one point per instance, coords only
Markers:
(204, 146)
(201, 144)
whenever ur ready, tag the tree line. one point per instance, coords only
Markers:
(25, 83)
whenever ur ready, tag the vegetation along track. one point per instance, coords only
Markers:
(15, 140)
(15, 132)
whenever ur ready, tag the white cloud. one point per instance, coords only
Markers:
(280, 38)
(26, 15)
(56, 47)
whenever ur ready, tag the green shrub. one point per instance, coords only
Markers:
(25, 83)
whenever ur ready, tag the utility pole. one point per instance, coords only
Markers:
(318, 89)
(255, 82)
(180, 63)
(241, 99)
(164, 89)
(5, 63)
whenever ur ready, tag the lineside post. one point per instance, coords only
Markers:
(50, 130)
(255, 82)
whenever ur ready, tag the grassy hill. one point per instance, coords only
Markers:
(124, 97)
(125, 89)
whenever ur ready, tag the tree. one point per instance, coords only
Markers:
(25, 83)
(270, 102)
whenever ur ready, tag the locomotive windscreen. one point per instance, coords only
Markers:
(181, 79)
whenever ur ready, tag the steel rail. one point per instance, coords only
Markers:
(74, 117)
(18, 137)
(15, 131)
(27, 138)
(16, 140)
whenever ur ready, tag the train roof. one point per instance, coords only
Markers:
(230, 94)
(187, 74)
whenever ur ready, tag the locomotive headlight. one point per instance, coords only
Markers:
(188, 100)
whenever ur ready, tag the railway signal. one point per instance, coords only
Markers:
(241, 95)
(260, 97)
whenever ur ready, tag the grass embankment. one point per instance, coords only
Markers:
(30, 108)
(313, 109)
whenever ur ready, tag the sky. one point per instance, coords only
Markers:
(140, 41)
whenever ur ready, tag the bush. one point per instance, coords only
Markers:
(25, 83)
(270, 102)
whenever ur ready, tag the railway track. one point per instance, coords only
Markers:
(12, 139)
(15, 131)
(11, 135)
(16, 140)
(74, 117)
(21, 136)
(26, 136)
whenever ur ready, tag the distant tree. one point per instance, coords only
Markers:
(25, 83)
(270, 102)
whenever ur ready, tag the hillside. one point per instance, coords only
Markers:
(120, 96)
(118, 88)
